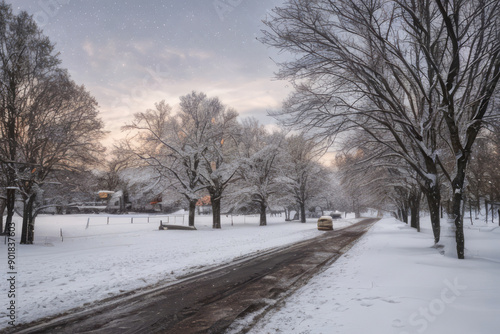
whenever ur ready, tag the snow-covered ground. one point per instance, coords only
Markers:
(92, 263)
(393, 281)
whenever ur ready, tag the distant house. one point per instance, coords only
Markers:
(105, 195)
(112, 201)
(204, 205)
(99, 203)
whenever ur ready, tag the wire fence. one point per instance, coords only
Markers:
(99, 220)
(136, 219)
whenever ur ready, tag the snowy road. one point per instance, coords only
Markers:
(212, 300)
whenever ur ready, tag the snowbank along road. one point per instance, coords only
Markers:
(210, 301)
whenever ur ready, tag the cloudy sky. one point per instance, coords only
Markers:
(131, 54)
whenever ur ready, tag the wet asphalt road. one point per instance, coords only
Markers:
(209, 302)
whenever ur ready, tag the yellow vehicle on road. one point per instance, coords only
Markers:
(325, 223)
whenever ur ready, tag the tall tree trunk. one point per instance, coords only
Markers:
(492, 213)
(457, 209)
(216, 211)
(28, 229)
(433, 197)
(486, 209)
(2, 209)
(404, 214)
(192, 211)
(406, 207)
(414, 203)
(302, 212)
(287, 214)
(470, 212)
(459, 223)
(263, 217)
(357, 213)
(10, 202)
(478, 204)
(458, 200)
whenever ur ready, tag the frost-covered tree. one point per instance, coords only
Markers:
(384, 178)
(218, 128)
(357, 198)
(47, 122)
(109, 177)
(190, 150)
(166, 144)
(336, 198)
(64, 187)
(143, 187)
(61, 131)
(421, 71)
(260, 154)
(301, 174)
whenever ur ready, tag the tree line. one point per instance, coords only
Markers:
(417, 80)
(202, 149)
(50, 151)
(407, 89)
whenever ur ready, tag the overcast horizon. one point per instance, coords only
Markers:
(133, 54)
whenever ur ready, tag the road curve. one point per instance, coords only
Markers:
(210, 301)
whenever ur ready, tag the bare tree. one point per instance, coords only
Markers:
(61, 131)
(484, 172)
(422, 71)
(47, 121)
(22, 48)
